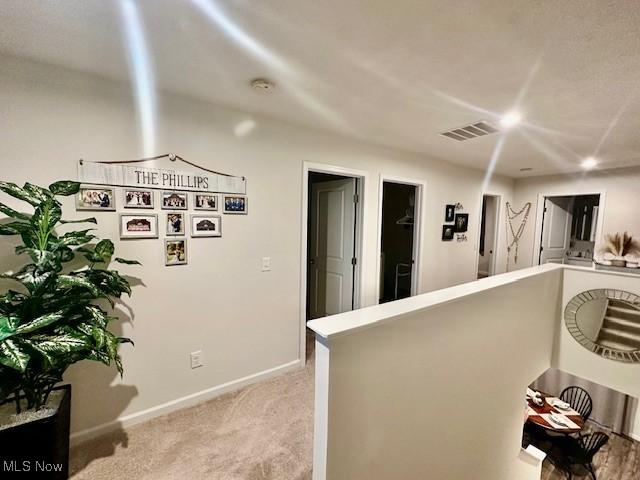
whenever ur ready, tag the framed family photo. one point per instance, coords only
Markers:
(235, 204)
(96, 198)
(175, 251)
(205, 201)
(138, 226)
(175, 223)
(136, 198)
(174, 200)
(206, 226)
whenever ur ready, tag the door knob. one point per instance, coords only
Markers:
(312, 261)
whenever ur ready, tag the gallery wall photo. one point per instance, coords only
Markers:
(147, 209)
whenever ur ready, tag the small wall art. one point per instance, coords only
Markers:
(175, 223)
(235, 204)
(461, 222)
(206, 226)
(96, 198)
(137, 198)
(449, 213)
(138, 225)
(174, 200)
(175, 251)
(447, 233)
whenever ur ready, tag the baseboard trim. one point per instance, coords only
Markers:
(180, 403)
(635, 436)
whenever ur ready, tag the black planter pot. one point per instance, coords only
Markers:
(38, 449)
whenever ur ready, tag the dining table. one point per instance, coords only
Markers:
(553, 418)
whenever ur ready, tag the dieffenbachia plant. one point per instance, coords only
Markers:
(51, 318)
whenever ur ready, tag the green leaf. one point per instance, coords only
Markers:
(46, 216)
(12, 356)
(82, 220)
(60, 344)
(7, 327)
(43, 259)
(67, 281)
(10, 212)
(42, 194)
(65, 188)
(90, 255)
(15, 228)
(40, 322)
(79, 237)
(105, 249)
(127, 262)
(20, 193)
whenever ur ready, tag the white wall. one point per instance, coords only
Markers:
(622, 192)
(433, 386)
(245, 321)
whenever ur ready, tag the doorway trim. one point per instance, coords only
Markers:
(537, 234)
(418, 230)
(362, 180)
(496, 233)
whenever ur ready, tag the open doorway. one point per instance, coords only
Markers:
(488, 235)
(399, 239)
(332, 254)
(569, 229)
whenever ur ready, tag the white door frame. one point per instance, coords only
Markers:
(418, 230)
(358, 293)
(496, 233)
(537, 239)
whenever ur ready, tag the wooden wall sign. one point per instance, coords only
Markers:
(129, 174)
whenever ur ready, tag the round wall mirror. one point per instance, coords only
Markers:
(606, 322)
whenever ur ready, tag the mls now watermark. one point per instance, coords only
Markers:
(36, 466)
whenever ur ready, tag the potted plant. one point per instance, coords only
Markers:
(49, 319)
(619, 250)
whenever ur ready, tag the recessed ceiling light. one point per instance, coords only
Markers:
(262, 85)
(510, 119)
(589, 163)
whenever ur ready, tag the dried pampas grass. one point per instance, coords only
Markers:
(620, 244)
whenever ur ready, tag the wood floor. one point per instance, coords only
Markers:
(619, 459)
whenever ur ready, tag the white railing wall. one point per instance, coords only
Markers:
(433, 386)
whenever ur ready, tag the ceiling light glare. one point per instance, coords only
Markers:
(589, 163)
(510, 119)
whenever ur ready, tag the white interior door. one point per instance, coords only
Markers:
(556, 229)
(331, 247)
(486, 260)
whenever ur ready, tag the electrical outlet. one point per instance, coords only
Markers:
(197, 359)
(266, 264)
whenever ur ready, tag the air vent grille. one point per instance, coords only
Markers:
(478, 129)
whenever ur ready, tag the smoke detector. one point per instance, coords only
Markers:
(262, 85)
(478, 129)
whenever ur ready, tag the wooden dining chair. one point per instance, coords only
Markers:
(579, 399)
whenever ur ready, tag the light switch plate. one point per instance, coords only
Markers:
(266, 264)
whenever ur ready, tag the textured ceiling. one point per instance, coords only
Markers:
(393, 72)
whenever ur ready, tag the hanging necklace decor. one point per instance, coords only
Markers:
(516, 234)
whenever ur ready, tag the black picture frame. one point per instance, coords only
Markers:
(447, 233)
(449, 213)
(461, 222)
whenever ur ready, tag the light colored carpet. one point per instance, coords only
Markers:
(262, 432)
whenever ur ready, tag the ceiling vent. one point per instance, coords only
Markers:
(479, 129)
